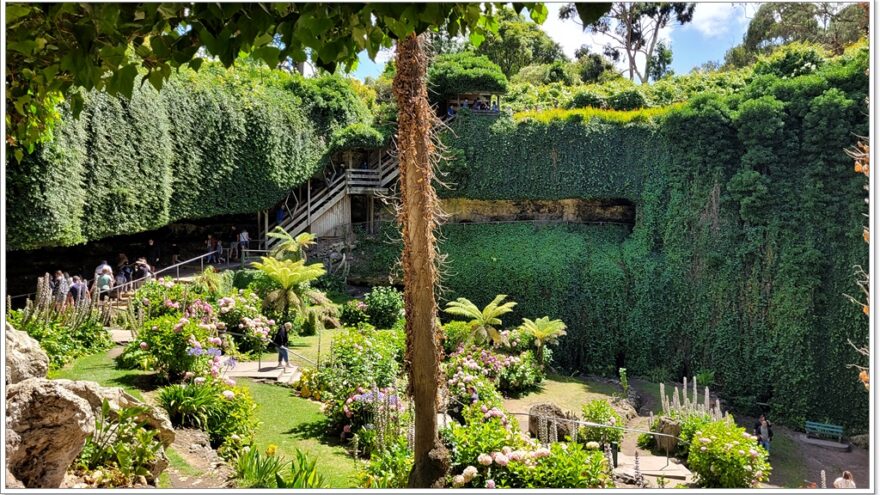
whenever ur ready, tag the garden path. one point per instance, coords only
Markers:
(265, 370)
(194, 464)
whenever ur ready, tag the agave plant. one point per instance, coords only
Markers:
(293, 291)
(485, 321)
(544, 331)
(289, 247)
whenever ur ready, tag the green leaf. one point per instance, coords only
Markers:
(196, 63)
(476, 38)
(18, 154)
(591, 12)
(16, 11)
(268, 54)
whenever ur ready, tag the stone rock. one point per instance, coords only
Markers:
(669, 427)
(24, 357)
(550, 410)
(11, 482)
(861, 441)
(155, 418)
(624, 408)
(46, 428)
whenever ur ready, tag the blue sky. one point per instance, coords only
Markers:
(716, 28)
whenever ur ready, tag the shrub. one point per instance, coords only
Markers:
(121, 446)
(375, 416)
(452, 74)
(177, 345)
(521, 375)
(384, 306)
(628, 99)
(723, 455)
(568, 465)
(455, 335)
(358, 360)
(64, 334)
(509, 374)
(353, 313)
(225, 411)
(586, 98)
(600, 411)
(255, 470)
(388, 468)
(791, 60)
(240, 315)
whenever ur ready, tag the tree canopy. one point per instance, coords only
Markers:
(459, 73)
(519, 43)
(54, 49)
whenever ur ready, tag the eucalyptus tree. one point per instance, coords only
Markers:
(57, 50)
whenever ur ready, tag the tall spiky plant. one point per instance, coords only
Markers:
(293, 290)
(544, 331)
(483, 322)
(289, 247)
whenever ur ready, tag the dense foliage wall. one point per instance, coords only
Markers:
(211, 143)
(747, 229)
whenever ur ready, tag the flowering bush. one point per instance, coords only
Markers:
(161, 297)
(389, 467)
(600, 411)
(488, 452)
(240, 314)
(466, 388)
(358, 358)
(723, 455)
(384, 306)
(375, 416)
(354, 313)
(509, 374)
(176, 344)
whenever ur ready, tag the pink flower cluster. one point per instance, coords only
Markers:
(199, 309)
(259, 326)
(494, 413)
(171, 304)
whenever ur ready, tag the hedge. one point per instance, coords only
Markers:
(211, 143)
(458, 73)
(748, 225)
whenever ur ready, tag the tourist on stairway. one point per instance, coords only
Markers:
(244, 240)
(59, 286)
(104, 282)
(78, 291)
(100, 269)
(153, 253)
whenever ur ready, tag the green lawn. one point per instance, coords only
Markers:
(566, 392)
(291, 423)
(102, 369)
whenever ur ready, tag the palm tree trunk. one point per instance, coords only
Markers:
(418, 219)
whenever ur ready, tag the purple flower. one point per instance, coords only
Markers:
(213, 351)
(231, 362)
(195, 351)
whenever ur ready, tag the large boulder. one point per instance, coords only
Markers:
(24, 357)
(50, 419)
(565, 426)
(155, 418)
(669, 427)
(624, 407)
(46, 428)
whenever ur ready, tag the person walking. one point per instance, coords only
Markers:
(104, 283)
(233, 243)
(77, 292)
(153, 254)
(60, 286)
(845, 481)
(100, 269)
(244, 241)
(764, 432)
(281, 338)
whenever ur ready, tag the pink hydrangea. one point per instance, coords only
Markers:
(228, 394)
(469, 473)
(500, 459)
(458, 481)
(144, 346)
(490, 484)
(229, 381)
(485, 459)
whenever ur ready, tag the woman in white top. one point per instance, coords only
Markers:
(845, 481)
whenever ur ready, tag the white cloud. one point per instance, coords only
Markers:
(714, 20)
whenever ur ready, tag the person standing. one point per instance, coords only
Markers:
(244, 240)
(77, 292)
(100, 269)
(104, 283)
(233, 243)
(281, 338)
(845, 481)
(60, 287)
(764, 432)
(153, 253)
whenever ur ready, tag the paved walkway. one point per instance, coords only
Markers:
(654, 467)
(267, 370)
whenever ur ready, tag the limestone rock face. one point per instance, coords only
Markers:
(48, 421)
(155, 418)
(624, 408)
(24, 357)
(550, 411)
(46, 428)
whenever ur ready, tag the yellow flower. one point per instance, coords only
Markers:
(271, 449)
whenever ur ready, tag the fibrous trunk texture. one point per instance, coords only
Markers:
(418, 215)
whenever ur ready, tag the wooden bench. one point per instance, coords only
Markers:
(813, 428)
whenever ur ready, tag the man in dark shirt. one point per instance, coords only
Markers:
(77, 292)
(280, 340)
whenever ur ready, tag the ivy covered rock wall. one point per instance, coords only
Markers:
(748, 226)
(211, 143)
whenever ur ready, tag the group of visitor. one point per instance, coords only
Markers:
(237, 241)
(478, 105)
(67, 290)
